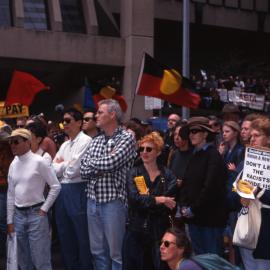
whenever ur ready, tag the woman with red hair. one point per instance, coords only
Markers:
(151, 189)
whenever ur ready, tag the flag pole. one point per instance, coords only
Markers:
(185, 50)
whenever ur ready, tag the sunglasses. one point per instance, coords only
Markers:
(67, 120)
(87, 119)
(14, 141)
(195, 131)
(20, 126)
(147, 149)
(166, 243)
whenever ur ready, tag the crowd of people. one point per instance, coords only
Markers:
(125, 196)
(208, 87)
(206, 83)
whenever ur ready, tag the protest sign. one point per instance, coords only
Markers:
(13, 111)
(257, 167)
(248, 100)
(152, 103)
(223, 94)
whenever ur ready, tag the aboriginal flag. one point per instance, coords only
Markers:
(161, 82)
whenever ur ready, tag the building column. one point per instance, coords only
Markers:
(137, 28)
(90, 16)
(18, 13)
(55, 16)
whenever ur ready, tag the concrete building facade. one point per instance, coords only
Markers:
(101, 39)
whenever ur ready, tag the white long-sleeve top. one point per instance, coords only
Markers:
(45, 155)
(71, 152)
(27, 177)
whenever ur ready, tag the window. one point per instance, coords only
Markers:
(72, 16)
(35, 14)
(5, 14)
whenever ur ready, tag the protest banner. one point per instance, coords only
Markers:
(151, 103)
(13, 111)
(257, 167)
(223, 94)
(248, 100)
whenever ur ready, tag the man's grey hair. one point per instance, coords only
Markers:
(113, 106)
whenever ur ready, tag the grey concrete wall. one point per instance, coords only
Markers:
(230, 13)
(55, 16)
(60, 46)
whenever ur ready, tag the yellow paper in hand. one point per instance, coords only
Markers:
(141, 185)
(245, 187)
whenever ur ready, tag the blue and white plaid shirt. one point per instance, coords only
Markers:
(105, 165)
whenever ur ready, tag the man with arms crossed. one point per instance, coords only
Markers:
(70, 206)
(105, 164)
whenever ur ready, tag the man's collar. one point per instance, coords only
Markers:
(116, 131)
(203, 148)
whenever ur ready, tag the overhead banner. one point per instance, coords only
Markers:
(13, 111)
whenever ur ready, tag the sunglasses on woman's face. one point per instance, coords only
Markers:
(166, 243)
(195, 131)
(147, 149)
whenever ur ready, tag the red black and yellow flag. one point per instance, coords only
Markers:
(164, 83)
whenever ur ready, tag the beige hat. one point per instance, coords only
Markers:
(233, 125)
(22, 132)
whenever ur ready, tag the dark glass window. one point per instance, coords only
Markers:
(5, 15)
(35, 14)
(72, 16)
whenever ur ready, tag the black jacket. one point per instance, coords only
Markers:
(144, 214)
(204, 188)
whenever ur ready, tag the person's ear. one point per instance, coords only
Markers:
(113, 115)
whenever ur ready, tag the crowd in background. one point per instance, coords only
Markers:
(131, 197)
(248, 84)
(207, 87)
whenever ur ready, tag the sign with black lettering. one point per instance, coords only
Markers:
(257, 167)
(13, 111)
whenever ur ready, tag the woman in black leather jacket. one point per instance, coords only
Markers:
(151, 190)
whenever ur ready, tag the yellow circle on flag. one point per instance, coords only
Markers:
(171, 82)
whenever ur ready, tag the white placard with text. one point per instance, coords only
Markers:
(257, 167)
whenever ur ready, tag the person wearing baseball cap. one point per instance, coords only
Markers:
(26, 206)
